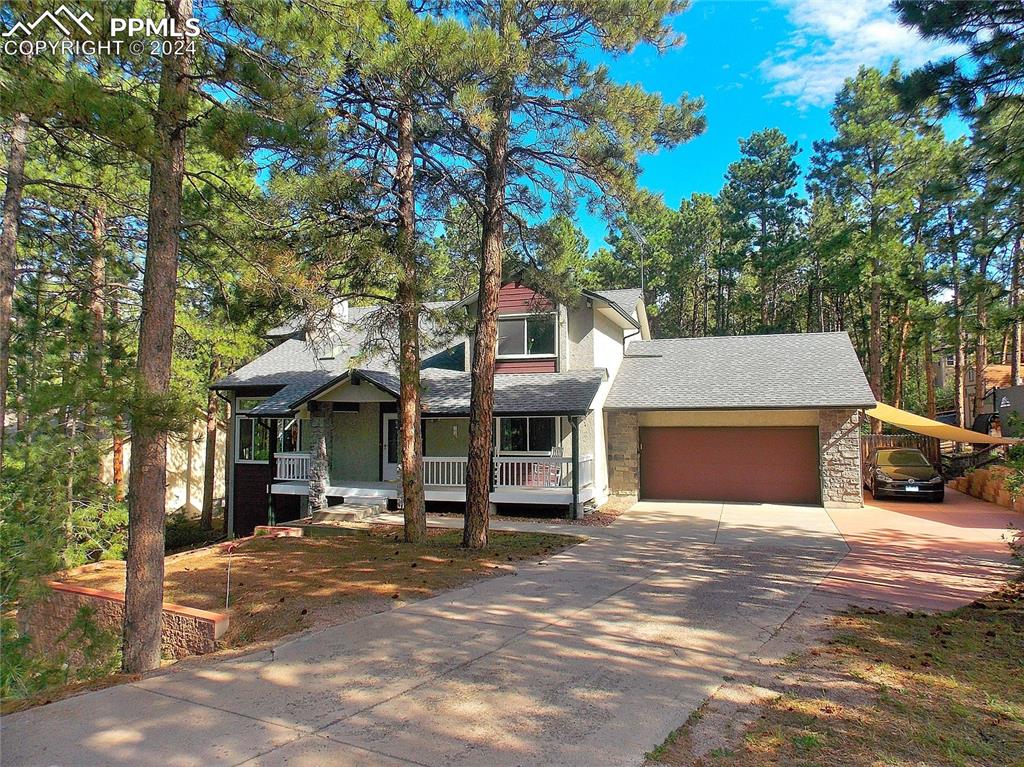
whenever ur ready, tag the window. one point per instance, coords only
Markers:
(527, 435)
(532, 336)
(253, 438)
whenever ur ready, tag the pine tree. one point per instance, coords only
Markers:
(548, 122)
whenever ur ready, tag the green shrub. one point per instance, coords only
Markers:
(184, 532)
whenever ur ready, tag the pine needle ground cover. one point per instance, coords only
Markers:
(889, 690)
(285, 585)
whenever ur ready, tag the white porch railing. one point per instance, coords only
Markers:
(509, 471)
(530, 471)
(293, 466)
(444, 472)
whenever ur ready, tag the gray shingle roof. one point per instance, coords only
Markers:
(301, 367)
(808, 370)
(625, 298)
(447, 392)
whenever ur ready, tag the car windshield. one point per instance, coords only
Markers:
(901, 458)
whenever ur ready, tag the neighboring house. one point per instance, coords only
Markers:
(578, 389)
(996, 376)
(186, 468)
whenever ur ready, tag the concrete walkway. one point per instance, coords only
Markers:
(590, 657)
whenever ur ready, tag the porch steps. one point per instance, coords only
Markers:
(347, 512)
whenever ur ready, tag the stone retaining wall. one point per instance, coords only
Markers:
(186, 630)
(988, 485)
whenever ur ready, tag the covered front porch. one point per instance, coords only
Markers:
(545, 480)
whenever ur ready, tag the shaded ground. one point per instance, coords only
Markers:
(280, 586)
(881, 688)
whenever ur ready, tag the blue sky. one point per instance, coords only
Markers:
(759, 64)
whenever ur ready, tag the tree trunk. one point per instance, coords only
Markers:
(481, 406)
(210, 462)
(981, 341)
(1015, 323)
(144, 569)
(875, 338)
(409, 406)
(929, 376)
(960, 354)
(9, 255)
(97, 335)
(899, 375)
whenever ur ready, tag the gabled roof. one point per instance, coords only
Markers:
(625, 299)
(803, 370)
(301, 367)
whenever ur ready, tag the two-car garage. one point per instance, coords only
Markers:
(757, 419)
(757, 464)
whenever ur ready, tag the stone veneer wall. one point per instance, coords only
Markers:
(186, 631)
(839, 447)
(623, 454)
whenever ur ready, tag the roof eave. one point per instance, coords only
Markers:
(691, 408)
(621, 312)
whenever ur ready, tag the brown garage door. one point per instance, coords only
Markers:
(760, 464)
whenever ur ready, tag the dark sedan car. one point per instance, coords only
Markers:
(903, 472)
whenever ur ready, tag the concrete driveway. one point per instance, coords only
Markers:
(921, 555)
(590, 657)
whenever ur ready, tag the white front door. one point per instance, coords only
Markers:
(390, 452)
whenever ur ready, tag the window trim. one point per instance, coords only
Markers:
(526, 453)
(524, 317)
(239, 417)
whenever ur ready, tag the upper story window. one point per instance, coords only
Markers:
(528, 336)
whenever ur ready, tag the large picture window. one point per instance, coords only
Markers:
(532, 336)
(527, 435)
(252, 441)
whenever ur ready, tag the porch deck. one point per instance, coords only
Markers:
(517, 479)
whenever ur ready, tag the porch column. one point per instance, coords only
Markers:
(319, 428)
(575, 510)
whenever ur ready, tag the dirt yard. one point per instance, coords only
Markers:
(284, 585)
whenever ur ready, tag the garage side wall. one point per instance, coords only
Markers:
(623, 454)
(839, 445)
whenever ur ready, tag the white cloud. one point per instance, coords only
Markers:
(832, 39)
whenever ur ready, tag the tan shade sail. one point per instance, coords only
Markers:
(930, 428)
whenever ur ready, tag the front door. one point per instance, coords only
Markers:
(389, 454)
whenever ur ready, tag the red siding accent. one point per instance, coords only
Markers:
(519, 299)
(526, 366)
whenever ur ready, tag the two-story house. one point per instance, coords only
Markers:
(586, 404)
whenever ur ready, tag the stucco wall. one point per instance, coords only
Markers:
(355, 447)
(729, 418)
(580, 338)
(607, 344)
(839, 446)
(186, 466)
